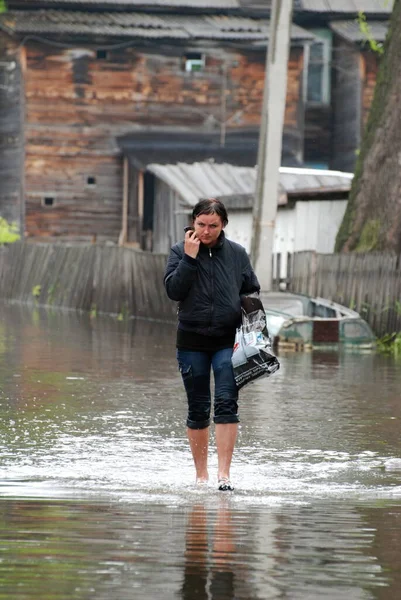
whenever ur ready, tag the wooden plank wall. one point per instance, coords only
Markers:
(120, 281)
(368, 283)
(76, 104)
(11, 134)
(318, 133)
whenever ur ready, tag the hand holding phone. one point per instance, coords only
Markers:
(191, 243)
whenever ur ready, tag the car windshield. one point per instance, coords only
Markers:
(288, 304)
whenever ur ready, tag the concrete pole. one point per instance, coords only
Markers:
(271, 140)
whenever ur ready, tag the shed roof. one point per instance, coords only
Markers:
(202, 4)
(377, 7)
(351, 31)
(209, 179)
(142, 25)
(243, 6)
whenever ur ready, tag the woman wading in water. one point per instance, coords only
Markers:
(206, 274)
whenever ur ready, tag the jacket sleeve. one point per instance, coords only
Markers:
(250, 282)
(179, 275)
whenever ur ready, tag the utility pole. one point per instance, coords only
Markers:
(271, 140)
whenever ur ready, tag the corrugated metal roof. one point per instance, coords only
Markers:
(377, 7)
(296, 180)
(82, 23)
(251, 6)
(350, 30)
(259, 6)
(204, 4)
(209, 179)
(135, 24)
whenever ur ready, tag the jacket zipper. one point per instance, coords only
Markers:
(212, 281)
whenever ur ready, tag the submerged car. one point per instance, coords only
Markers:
(302, 323)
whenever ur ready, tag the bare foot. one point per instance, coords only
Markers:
(202, 480)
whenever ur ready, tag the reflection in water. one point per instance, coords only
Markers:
(96, 483)
(210, 571)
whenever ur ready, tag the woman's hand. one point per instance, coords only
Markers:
(191, 245)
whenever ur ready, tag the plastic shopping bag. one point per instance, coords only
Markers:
(252, 357)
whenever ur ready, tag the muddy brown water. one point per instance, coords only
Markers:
(96, 481)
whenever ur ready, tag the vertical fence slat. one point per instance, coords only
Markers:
(368, 283)
(114, 280)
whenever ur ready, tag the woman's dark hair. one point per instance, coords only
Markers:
(210, 206)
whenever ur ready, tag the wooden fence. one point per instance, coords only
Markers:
(368, 283)
(108, 279)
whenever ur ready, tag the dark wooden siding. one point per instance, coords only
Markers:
(76, 105)
(347, 101)
(11, 134)
(171, 215)
(318, 133)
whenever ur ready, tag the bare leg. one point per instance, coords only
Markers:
(226, 434)
(199, 443)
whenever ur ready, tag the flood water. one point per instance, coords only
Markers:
(97, 494)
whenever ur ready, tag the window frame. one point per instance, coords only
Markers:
(325, 38)
(187, 60)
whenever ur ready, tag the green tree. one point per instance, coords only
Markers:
(3, 7)
(372, 221)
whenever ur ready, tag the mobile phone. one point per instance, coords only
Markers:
(188, 228)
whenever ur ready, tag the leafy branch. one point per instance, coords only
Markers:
(367, 33)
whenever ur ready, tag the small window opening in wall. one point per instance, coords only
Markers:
(193, 61)
(101, 54)
(48, 201)
(91, 181)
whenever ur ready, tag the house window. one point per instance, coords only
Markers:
(48, 201)
(101, 54)
(194, 62)
(318, 86)
(91, 181)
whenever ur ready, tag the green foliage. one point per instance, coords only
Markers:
(367, 33)
(123, 314)
(390, 344)
(51, 292)
(3, 6)
(36, 290)
(93, 311)
(8, 231)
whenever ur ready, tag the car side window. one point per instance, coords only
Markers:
(324, 312)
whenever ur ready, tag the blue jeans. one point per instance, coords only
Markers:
(195, 371)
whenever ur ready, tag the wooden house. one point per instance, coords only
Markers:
(82, 81)
(92, 92)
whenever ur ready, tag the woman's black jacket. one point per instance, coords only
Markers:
(208, 287)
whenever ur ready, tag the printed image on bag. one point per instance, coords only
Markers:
(252, 357)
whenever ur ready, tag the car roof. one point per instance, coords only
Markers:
(277, 299)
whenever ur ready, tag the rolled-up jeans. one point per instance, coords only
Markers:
(195, 368)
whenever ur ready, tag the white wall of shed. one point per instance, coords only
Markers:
(308, 225)
(239, 228)
(317, 223)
